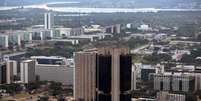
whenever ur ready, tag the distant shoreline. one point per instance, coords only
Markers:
(92, 10)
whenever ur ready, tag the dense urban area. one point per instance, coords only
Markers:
(48, 55)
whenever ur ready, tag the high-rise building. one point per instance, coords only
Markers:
(27, 71)
(11, 71)
(3, 41)
(14, 39)
(103, 75)
(48, 20)
(85, 76)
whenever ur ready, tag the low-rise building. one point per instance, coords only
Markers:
(165, 96)
(54, 68)
(174, 82)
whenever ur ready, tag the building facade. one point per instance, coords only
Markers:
(54, 68)
(165, 96)
(11, 71)
(4, 41)
(2, 73)
(182, 83)
(27, 71)
(48, 20)
(103, 75)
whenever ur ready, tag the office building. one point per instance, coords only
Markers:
(103, 75)
(27, 71)
(85, 76)
(26, 37)
(2, 73)
(4, 41)
(54, 68)
(114, 29)
(56, 34)
(48, 20)
(66, 32)
(11, 71)
(15, 39)
(165, 96)
(173, 82)
(143, 71)
(42, 34)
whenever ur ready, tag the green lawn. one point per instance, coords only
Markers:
(137, 58)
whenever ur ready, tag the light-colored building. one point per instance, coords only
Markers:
(165, 96)
(26, 37)
(54, 68)
(11, 71)
(14, 39)
(144, 27)
(103, 74)
(42, 34)
(143, 99)
(48, 20)
(85, 76)
(66, 32)
(134, 78)
(113, 29)
(4, 41)
(174, 82)
(93, 28)
(27, 71)
(72, 41)
(92, 37)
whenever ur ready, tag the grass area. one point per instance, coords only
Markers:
(21, 95)
(137, 59)
(17, 96)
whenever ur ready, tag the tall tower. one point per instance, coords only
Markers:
(110, 68)
(48, 20)
(11, 71)
(27, 69)
(85, 76)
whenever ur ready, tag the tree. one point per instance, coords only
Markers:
(55, 88)
(189, 59)
(43, 98)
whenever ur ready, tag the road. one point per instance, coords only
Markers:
(133, 51)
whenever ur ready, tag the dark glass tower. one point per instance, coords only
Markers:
(111, 73)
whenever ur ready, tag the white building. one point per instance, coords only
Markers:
(27, 71)
(92, 37)
(11, 71)
(66, 32)
(165, 96)
(54, 68)
(161, 36)
(144, 28)
(134, 78)
(93, 28)
(174, 82)
(48, 20)
(3, 41)
(41, 34)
